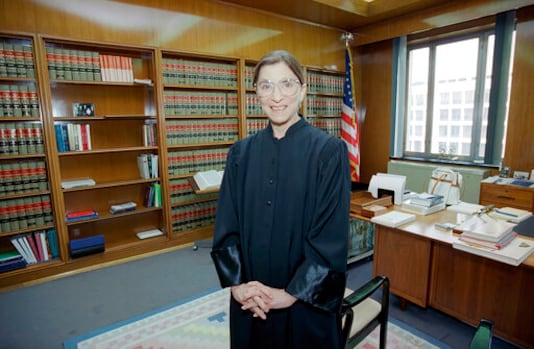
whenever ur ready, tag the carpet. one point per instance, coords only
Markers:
(202, 322)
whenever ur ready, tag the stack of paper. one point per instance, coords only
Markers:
(510, 214)
(393, 218)
(484, 231)
(514, 253)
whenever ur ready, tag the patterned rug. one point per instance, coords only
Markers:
(202, 323)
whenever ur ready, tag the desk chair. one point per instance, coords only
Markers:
(361, 314)
(483, 335)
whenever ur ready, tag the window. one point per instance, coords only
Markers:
(449, 85)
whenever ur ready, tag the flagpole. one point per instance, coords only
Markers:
(349, 114)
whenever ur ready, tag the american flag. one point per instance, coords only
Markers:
(349, 120)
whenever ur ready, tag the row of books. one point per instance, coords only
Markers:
(116, 68)
(16, 60)
(73, 137)
(21, 138)
(423, 203)
(36, 247)
(325, 83)
(148, 165)
(23, 177)
(178, 71)
(71, 64)
(252, 104)
(19, 101)
(329, 125)
(181, 192)
(193, 216)
(249, 77)
(201, 131)
(325, 106)
(188, 162)
(25, 213)
(153, 195)
(255, 125)
(178, 103)
(150, 133)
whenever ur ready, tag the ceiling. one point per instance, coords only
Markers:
(346, 15)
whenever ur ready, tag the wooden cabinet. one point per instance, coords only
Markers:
(405, 260)
(502, 195)
(470, 288)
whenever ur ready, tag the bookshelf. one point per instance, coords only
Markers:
(26, 215)
(79, 110)
(107, 144)
(324, 99)
(201, 112)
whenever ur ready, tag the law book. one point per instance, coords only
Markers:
(514, 253)
(484, 227)
(394, 218)
(210, 179)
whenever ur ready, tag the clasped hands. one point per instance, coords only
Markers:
(259, 298)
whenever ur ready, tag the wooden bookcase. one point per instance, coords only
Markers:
(201, 111)
(70, 118)
(104, 146)
(25, 191)
(324, 99)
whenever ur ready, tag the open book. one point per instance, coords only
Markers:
(208, 179)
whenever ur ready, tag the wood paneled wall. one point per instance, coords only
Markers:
(519, 152)
(189, 25)
(211, 27)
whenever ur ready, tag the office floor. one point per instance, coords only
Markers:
(47, 314)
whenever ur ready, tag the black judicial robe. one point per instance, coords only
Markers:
(282, 219)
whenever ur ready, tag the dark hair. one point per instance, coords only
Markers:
(278, 56)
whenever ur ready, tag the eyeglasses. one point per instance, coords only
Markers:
(288, 87)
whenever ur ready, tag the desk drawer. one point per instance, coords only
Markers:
(504, 195)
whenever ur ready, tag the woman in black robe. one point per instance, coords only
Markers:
(282, 220)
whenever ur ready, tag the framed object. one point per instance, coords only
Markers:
(83, 109)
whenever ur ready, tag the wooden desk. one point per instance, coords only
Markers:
(426, 270)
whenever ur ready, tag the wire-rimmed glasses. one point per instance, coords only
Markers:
(288, 87)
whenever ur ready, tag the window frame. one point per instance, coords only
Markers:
(503, 28)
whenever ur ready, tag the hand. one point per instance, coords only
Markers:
(263, 298)
(253, 297)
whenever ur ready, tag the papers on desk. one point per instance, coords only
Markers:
(485, 228)
(514, 253)
(393, 219)
(465, 207)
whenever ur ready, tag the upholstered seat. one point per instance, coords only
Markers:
(362, 313)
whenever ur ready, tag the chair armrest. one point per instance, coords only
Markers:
(365, 291)
(483, 335)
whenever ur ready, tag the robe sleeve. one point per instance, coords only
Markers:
(320, 278)
(226, 250)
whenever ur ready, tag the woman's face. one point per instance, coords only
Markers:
(280, 94)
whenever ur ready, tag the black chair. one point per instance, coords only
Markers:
(483, 335)
(362, 314)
